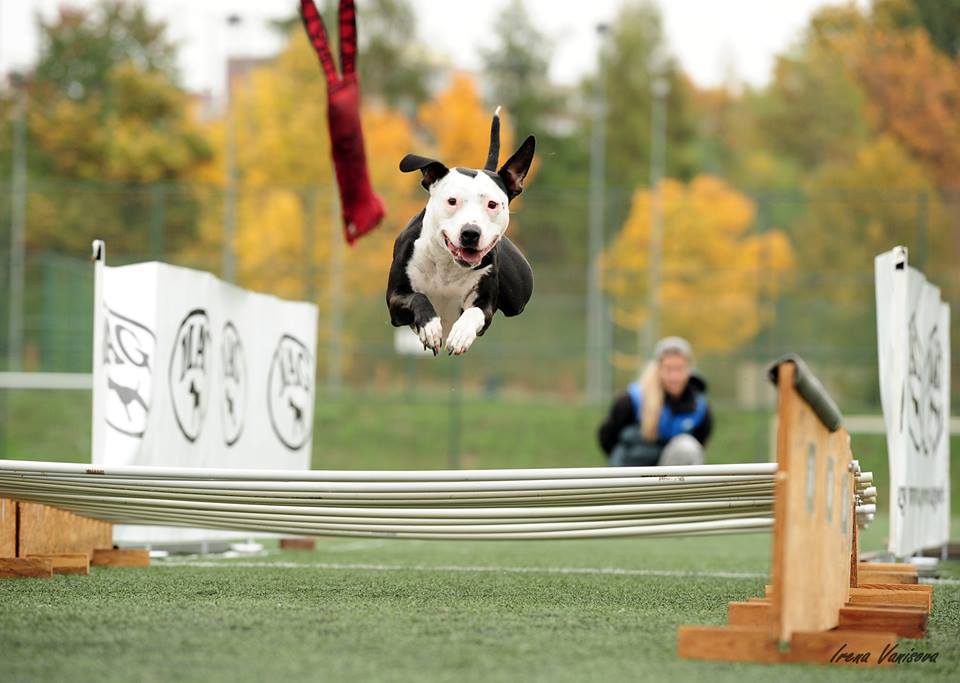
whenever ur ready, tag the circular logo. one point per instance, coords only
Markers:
(290, 392)
(189, 373)
(233, 379)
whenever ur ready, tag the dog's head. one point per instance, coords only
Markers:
(468, 210)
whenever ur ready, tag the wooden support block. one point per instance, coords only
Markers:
(867, 576)
(750, 613)
(66, 563)
(8, 528)
(46, 530)
(877, 596)
(756, 644)
(121, 557)
(298, 543)
(727, 643)
(24, 568)
(905, 621)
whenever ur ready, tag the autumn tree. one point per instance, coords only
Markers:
(286, 218)
(458, 122)
(718, 280)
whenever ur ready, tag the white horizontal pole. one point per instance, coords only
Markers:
(197, 473)
(46, 380)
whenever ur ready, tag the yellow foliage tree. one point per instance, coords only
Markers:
(716, 278)
(287, 219)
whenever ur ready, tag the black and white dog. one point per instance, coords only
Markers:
(453, 267)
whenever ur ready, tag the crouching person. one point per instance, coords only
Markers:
(663, 419)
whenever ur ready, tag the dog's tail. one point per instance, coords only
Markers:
(493, 156)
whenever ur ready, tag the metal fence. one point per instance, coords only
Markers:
(288, 242)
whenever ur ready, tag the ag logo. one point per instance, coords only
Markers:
(190, 373)
(233, 379)
(128, 349)
(290, 392)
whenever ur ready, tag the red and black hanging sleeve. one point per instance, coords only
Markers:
(363, 209)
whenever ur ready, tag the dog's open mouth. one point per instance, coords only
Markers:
(467, 256)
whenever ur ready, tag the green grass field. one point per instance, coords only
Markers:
(417, 610)
(360, 609)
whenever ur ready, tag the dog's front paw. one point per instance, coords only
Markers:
(464, 331)
(431, 334)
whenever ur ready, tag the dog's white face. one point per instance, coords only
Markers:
(466, 215)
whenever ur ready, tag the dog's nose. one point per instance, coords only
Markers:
(469, 236)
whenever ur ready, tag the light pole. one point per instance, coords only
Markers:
(229, 267)
(659, 90)
(18, 217)
(595, 313)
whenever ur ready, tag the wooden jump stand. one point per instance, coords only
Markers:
(822, 605)
(38, 541)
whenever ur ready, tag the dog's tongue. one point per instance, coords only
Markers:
(471, 256)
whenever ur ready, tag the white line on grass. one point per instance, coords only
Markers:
(614, 571)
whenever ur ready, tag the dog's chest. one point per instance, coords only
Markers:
(449, 287)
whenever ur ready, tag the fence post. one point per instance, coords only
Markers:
(18, 219)
(158, 219)
(335, 290)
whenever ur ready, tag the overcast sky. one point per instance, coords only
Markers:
(710, 38)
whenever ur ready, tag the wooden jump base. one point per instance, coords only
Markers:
(822, 604)
(38, 541)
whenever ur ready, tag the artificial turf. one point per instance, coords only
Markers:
(418, 610)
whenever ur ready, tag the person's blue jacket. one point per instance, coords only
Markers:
(687, 414)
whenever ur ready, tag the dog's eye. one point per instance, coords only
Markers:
(491, 205)
(452, 201)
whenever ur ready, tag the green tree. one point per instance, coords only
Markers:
(636, 55)
(105, 117)
(517, 69)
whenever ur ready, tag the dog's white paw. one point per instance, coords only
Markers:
(431, 335)
(464, 331)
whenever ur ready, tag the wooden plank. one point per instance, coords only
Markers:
(906, 622)
(911, 587)
(121, 557)
(855, 546)
(66, 563)
(865, 576)
(888, 567)
(840, 647)
(871, 596)
(8, 528)
(813, 521)
(755, 644)
(45, 530)
(23, 568)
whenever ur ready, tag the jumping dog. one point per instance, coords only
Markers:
(453, 266)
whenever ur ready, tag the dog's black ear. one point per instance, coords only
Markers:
(432, 169)
(515, 170)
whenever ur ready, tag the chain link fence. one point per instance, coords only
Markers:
(288, 242)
